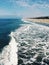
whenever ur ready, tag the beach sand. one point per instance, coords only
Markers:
(38, 20)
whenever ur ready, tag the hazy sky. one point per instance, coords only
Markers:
(24, 8)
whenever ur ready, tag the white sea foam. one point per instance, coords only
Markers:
(13, 53)
(33, 43)
(25, 21)
(33, 46)
(9, 53)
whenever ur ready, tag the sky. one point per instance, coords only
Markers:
(24, 8)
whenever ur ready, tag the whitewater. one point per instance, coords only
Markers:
(29, 45)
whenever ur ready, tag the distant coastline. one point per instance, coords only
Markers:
(38, 19)
(42, 17)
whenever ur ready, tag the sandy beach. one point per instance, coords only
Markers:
(37, 20)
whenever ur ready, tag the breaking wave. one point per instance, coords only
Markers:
(31, 41)
(33, 47)
(9, 53)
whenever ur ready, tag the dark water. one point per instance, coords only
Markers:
(6, 26)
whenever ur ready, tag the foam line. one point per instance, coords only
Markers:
(14, 50)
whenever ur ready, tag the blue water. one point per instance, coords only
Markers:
(33, 42)
(6, 26)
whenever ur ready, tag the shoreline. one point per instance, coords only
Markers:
(37, 20)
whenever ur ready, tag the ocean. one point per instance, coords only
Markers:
(23, 42)
(6, 27)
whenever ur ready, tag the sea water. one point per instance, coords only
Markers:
(23, 43)
(6, 27)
